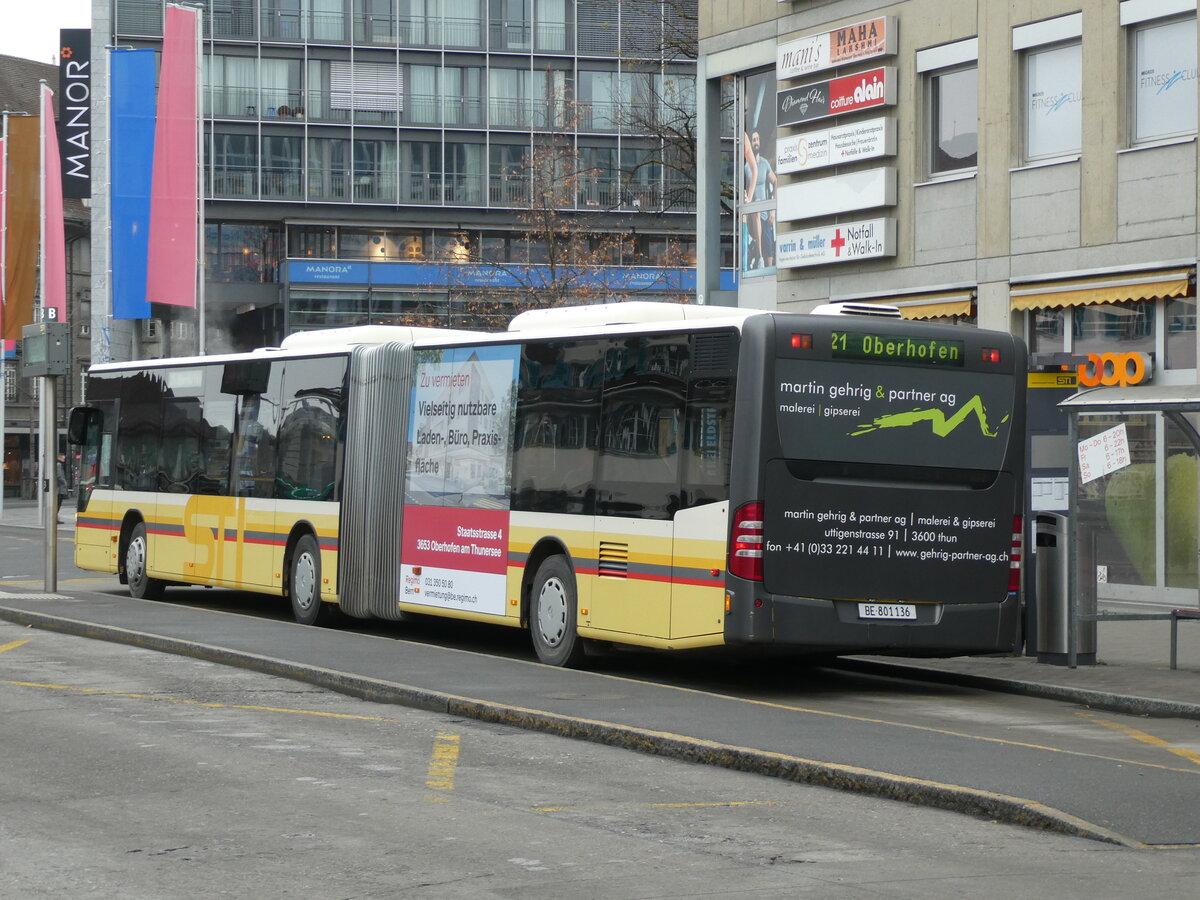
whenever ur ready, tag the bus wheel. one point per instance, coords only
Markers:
(137, 554)
(304, 583)
(552, 614)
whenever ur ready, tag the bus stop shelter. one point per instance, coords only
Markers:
(1174, 402)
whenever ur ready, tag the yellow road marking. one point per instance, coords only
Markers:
(13, 645)
(1141, 736)
(444, 763)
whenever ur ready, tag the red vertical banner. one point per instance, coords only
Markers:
(54, 239)
(3, 204)
(174, 194)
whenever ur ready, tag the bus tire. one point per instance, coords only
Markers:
(304, 583)
(137, 559)
(552, 612)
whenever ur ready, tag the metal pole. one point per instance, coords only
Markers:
(50, 481)
(1073, 541)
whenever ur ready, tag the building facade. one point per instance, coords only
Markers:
(1026, 167)
(378, 161)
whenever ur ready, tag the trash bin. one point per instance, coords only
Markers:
(1051, 545)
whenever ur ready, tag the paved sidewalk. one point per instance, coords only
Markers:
(1133, 673)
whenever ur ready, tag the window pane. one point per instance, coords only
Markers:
(1113, 328)
(955, 99)
(1047, 333)
(1164, 93)
(1181, 507)
(1053, 101)
(1181, 333)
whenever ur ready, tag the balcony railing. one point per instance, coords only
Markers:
(523, 36)
(385, 186)
(235, 182)
(418, 31)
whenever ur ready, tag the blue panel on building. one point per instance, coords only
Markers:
(327, 271)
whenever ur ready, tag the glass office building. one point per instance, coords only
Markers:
(380, 161)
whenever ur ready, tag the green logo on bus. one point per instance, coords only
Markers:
(938, 422)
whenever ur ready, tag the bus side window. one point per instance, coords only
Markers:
(708, 419)
(640, 432)
(139, 432)
(310, 430)
(216, 434)
(181, 457)
(558, 418)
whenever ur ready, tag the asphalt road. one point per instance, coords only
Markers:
(932, 743)
(135, 774)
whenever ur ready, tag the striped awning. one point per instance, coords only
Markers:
(1102, 289)
(935, 306)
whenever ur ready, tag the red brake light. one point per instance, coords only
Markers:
(801, 341)
(991, 355)
(746, 541)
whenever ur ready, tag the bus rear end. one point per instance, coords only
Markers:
(876, 490)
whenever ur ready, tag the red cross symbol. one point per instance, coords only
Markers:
(838, 242)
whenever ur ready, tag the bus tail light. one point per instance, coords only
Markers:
(991, 355)
(802, 342)
(746, 542)
(1014, 558)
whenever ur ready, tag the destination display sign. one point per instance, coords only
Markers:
(921, 351)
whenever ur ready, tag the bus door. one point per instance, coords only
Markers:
(96, 523)
(210, 521)
(258, 559)
(638, 487)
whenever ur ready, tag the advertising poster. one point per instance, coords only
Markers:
(454, 548)
(759, 183)
(891, 541)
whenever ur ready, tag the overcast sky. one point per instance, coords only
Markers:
(29, 28)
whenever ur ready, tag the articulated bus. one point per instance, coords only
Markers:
(657, 475)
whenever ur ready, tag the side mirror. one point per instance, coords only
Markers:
(82, 418)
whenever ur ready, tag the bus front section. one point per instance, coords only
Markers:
(876, 491)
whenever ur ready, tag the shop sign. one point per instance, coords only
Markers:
(853, 43)
(75, 111)
(849, 242)
(1116, 369)
(871, 139)
(838, 194)
(326, 271)
(838, 96)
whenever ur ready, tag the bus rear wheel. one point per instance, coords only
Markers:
(552, 613)
(137, 557)
(304, 584)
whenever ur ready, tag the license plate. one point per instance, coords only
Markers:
(887, 611)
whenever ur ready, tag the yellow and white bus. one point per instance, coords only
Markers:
(656, 475)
